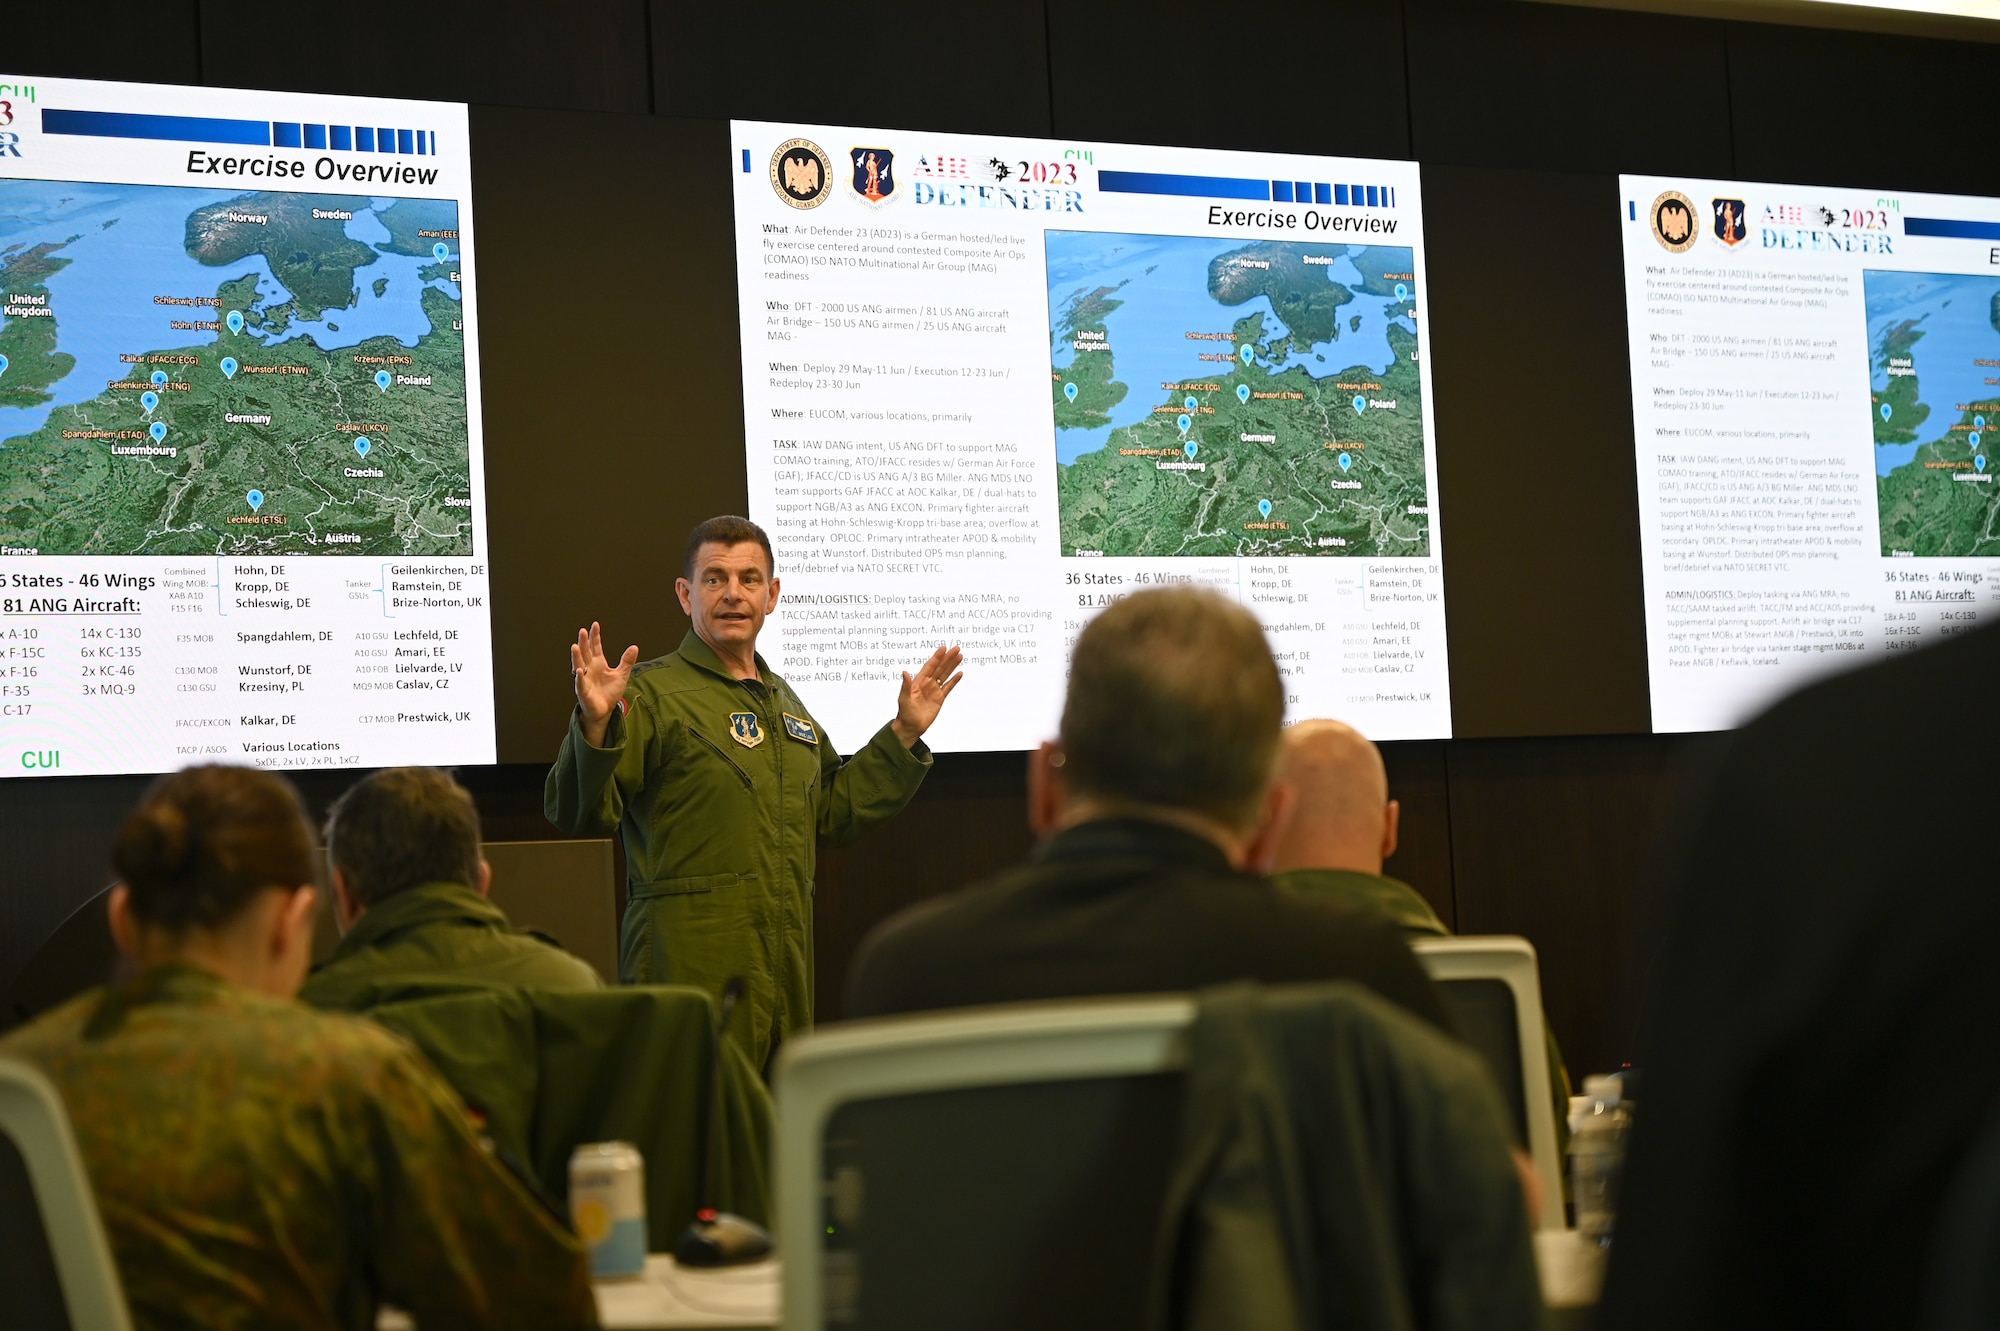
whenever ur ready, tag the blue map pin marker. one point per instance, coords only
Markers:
(229, 367)
(1973, 439)
(440, 251)
(149, 399)
(3, 365)
(1885, 411)
(383, 379)
(1192, 449)
(159, 378)
(255, 499)
(1190, 403)
(1069, 391)
(1249, 353)
(1978, 422)
(1345, 462)
(235, 321)
(1264, 507)
(1402, 292)
(1360, 404)
(159, 431)
(1980, 462)
(361, 445)
(1183, 421)
(1242, 392)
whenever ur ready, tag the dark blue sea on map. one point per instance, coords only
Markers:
(130, 246)
(1955, 312)
(1148, 333)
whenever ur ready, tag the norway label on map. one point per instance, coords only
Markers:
(201, 371)
(1934, 367)
(1229, 397)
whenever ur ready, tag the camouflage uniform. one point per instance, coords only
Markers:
(259, 1164)
(432, 933)
(723, 789)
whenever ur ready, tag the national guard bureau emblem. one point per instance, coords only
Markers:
(1674, 223)
(743, 728)
(801, 173)
(1729, 228)
(874, 175)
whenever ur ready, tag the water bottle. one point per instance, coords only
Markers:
(1597, 1157)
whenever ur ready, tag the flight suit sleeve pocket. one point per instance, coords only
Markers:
(674, 887)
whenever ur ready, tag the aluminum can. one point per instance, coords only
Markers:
(607, 1204)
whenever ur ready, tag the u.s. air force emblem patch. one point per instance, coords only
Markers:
(800, 728)
(743, 728)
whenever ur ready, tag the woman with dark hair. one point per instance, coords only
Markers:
(258, 1163)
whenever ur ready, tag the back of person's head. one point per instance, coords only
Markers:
(203, 842)
(1174, 701)
(1344, 818)
(403, 827)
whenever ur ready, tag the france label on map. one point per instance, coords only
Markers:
(201, 371)
(1934, 363)
(1229, 397)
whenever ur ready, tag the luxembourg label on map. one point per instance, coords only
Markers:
(1229, 397)
(230, 372)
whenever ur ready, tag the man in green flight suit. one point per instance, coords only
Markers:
(723, 786)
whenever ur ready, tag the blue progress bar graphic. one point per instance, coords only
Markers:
(1951, 228)
(1237, 187)
(249, 133)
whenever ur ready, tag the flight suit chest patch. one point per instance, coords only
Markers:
(800, 729)
(743, 728)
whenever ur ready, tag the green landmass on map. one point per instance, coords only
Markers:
(313, 258)
(1096, 391)
(1283, 444)
(29, 342)
(63, 489)
(1924, 508)
(415, 226)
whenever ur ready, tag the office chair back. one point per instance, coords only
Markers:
(55, 1264)
(903, 1145)
(1492, 987)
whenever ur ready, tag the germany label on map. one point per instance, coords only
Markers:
(1228, 397)
(199, 371)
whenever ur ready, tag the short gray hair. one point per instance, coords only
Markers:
(401, 828)
(1174, 700)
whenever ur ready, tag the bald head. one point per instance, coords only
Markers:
(1342, 816)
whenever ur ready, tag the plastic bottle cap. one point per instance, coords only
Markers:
(1607, 1089)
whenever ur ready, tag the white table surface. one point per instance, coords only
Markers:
(670, 1295)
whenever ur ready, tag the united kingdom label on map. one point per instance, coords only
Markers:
(1218, 396)
(193, 370)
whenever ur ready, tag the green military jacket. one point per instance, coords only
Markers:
(722, 790)
(437, 932)
(1395, 898)
(259, 1164)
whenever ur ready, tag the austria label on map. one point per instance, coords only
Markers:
(993, 385)
(1816, 395)
(241, 490)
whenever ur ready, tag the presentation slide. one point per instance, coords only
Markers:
(992, 385)
(1815, 386)
(241, 495)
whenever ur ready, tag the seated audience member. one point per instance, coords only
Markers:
(1822, 1010)
(259, 1164)
(409, 889)
(1157, 808)
(1343, 826)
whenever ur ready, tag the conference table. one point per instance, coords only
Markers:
(670, 1296)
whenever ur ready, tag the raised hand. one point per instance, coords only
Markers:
(599, 684)
(923, 694)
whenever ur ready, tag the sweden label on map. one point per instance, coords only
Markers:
(1229, 397)
(202, 371)
(1934, 364)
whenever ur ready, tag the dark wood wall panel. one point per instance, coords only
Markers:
(1155, 81)
(133, 41)
(1552, 88)
(1536, 473)
(585, 55)
(891, 64)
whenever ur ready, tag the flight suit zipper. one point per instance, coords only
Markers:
(748, 782)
